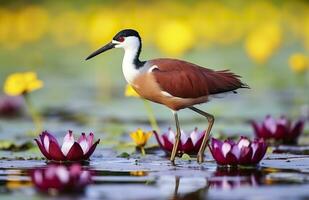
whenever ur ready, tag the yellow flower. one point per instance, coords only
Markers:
(130, 92)
(140, 137)
(22, 83)
(299, 63)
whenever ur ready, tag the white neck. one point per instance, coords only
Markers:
(129, 55)
(129, 69)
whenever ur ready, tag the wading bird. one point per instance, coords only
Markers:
(174, 83)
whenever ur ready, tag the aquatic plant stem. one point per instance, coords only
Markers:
(151, 117)
(143, 151)
(36, 118)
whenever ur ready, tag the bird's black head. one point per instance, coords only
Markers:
(121, 35)
(123, 39)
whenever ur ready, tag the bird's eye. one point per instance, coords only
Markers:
(121, 39)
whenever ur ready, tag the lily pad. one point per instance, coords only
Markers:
(12, 146)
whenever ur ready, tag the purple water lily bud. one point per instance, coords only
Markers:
(70, 150)
(244, 152)
(10, 105)
(61, 178)
(281, 129)
(189, 142)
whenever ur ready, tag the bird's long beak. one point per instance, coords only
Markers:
(101, 50)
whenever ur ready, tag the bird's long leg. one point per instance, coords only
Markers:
(177, 138)
(211, 120)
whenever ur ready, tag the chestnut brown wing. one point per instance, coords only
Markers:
(187, 80)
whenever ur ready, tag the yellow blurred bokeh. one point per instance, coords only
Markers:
(67, 29)
(175, 37)
(173, 27)
(299, 63)
(102, 27)
(263, 42)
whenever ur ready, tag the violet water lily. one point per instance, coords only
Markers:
(70, 150)
(189, 143)
(281, 129)
(61, 178)
(243, 152)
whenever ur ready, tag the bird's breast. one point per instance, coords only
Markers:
(130, 72)
(146, 86)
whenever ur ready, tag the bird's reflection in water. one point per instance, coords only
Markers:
(197, 194)
(222, 179)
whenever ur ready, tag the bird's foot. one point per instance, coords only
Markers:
(200, 158)
(173, 161)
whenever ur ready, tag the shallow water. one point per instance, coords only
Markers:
(279, 175)
(153, 177)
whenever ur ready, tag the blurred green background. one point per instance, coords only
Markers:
(266, 42)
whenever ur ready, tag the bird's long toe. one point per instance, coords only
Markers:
(200, 158)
